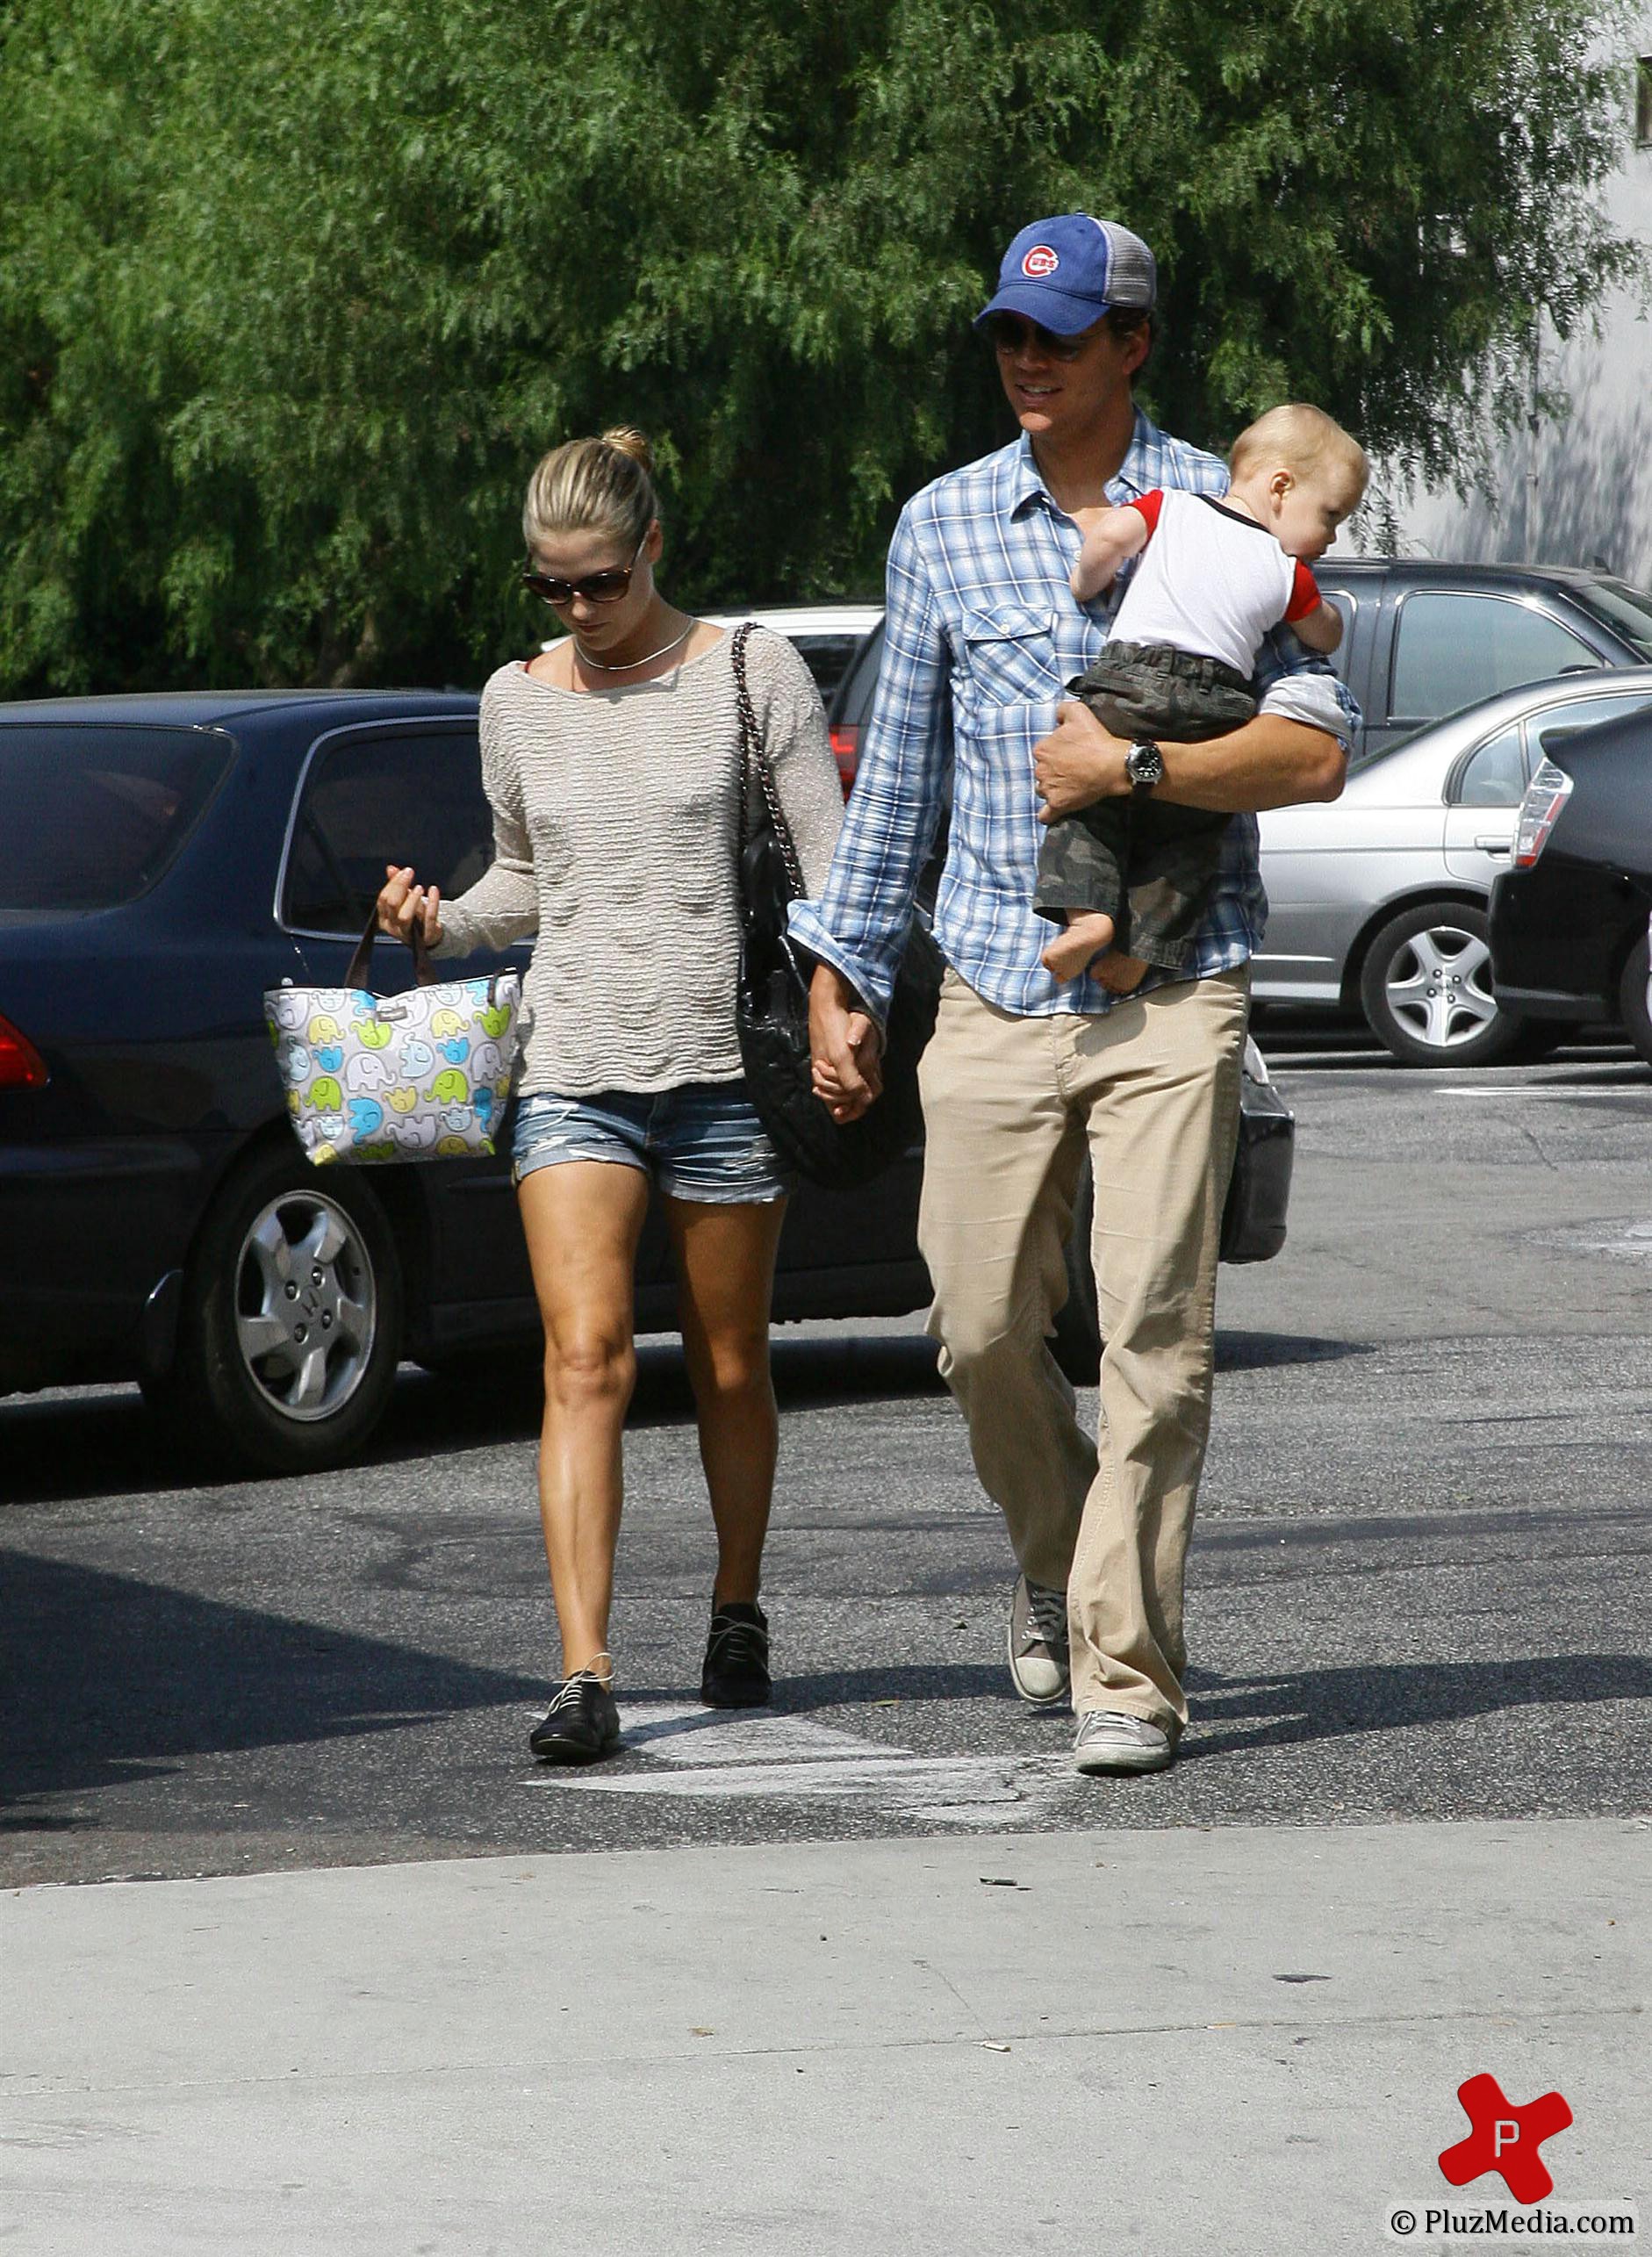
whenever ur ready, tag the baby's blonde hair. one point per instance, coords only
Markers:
(593, 485)
(1302, 438)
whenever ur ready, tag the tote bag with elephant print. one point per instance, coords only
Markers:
(423, 1076)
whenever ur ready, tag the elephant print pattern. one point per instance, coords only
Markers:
(423, 1076)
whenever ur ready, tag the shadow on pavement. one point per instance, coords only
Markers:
(103, 1677)
(1324, 1704)
(473, 1408)
(90, 1445)
(1256, 1351)
(105, 1444)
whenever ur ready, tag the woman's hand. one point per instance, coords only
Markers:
(402, 905)
(846, 1046)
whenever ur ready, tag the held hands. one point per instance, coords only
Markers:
(1078, 763)
(402, 904)
(845, 1046)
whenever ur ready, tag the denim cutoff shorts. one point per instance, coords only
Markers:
(701, 1141)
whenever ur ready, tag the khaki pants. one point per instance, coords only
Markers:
(1009, 1105)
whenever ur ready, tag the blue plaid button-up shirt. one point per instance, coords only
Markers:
(982, 634)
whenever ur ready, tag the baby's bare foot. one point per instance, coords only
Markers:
(1119, 975)
(1087, 934)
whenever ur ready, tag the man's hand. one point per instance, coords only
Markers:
(1268, 762)
(845, 1046)
(1079, 762)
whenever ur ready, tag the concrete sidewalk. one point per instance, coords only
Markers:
(1162, 2044)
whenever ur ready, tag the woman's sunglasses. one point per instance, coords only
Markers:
(1010, 334)
(596, 587)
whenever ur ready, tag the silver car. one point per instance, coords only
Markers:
(1378, 902)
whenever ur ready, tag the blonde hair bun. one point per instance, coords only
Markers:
(630, 440)
(586, 486)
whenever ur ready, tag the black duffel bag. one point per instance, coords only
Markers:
(772, 1004)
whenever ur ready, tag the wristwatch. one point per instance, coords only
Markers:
(1145, 764)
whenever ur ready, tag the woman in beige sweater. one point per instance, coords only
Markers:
(612, 762)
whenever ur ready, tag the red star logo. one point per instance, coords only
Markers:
(1505, 2140)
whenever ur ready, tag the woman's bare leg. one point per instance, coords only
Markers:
(725, 1268)
(583, 1219)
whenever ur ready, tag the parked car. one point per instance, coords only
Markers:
(1424, 639)
(1569, 922)
(165, 859)
(1378, 902)
(1421, 639)
(828, 634)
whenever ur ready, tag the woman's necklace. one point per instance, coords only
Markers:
(625, 665)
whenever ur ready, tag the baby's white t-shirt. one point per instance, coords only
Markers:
(1209, 581)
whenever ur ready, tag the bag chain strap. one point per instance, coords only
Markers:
(755, 757)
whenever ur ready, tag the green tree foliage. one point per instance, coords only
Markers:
(292, 297)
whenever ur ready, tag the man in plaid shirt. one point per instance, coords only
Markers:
(982, 634)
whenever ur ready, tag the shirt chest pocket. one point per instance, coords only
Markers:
(1007, 656)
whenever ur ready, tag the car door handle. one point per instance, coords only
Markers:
(1493, 846)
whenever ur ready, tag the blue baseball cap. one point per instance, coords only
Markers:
(1064, 273)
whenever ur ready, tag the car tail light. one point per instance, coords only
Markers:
(1546, 795)
(846, 747)
(21, 1064)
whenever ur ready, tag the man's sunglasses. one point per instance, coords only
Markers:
(1010, 334)
(596, 587)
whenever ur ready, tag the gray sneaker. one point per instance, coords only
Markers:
(1110, 1741)
(1037, 1638)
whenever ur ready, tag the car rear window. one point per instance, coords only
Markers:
(91, 814)
(1570, 719)
(1623, 608)
(827, 658)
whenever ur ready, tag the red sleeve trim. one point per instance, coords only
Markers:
(1148, 506)
(1304, 594)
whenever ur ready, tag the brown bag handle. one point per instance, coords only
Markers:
(362, 962)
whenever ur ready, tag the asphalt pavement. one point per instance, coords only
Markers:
(1419, 1768)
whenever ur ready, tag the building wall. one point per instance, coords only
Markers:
(1580, 490)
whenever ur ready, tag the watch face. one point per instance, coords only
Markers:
(1144, 764)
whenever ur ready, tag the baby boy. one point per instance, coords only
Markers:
(1215, 576)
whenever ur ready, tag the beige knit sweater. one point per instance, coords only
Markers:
(616, 822)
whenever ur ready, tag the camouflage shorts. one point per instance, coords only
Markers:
(1146, 864)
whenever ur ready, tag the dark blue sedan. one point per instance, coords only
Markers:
(163, 860)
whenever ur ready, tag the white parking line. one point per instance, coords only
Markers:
(705, 1754)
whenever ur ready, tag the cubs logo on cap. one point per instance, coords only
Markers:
(1064, 273)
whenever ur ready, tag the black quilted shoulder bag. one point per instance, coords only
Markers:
(772, 1005)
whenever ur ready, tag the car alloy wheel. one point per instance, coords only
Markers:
(1438, 986)
(1426, 989)
(306, 1305)
(292, 1318)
